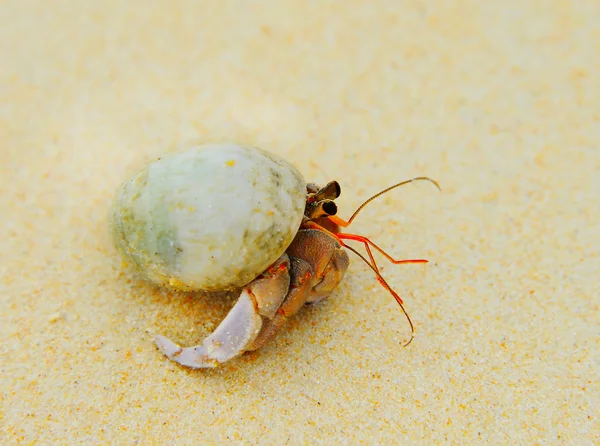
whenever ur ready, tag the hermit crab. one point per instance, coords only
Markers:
(226, 216)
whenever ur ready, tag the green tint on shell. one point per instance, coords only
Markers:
(213, 217)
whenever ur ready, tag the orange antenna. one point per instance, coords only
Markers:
(343, 223)
(389, 288)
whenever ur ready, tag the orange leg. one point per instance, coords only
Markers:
(372, 264)
(367, 242)
(364, 240)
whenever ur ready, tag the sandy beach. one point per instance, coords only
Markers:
(497, 101)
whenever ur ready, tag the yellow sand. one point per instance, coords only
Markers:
(498, 101)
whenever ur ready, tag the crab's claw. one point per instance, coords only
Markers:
(232, 337)
(259, 301)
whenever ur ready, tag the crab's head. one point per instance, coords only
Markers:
(320, 205)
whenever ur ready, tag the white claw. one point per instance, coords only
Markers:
(231, 338)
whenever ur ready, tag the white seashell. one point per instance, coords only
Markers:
(213, 217)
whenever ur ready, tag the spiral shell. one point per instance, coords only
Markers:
(210, 218)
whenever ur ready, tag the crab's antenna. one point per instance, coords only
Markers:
(391, 291)
(344, 223)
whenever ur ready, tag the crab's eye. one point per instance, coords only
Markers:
(330, 208)
(324, 208)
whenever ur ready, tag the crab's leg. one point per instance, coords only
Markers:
(236, 333)
(301, 285)
(317, 266)
(324, 253)
(367, 242)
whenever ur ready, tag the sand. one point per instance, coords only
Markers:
(498, 101)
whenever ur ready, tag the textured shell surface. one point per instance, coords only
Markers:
(212, 217)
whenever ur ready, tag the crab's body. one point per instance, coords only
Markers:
(223, 216)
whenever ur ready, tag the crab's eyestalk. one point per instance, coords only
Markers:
(329, 192)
